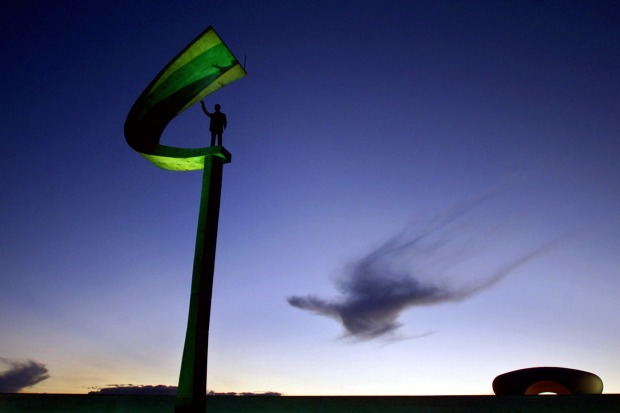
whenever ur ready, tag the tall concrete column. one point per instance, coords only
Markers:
(191, 393)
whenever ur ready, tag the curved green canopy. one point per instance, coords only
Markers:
(203, 67)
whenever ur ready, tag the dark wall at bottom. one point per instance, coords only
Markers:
(44, 403)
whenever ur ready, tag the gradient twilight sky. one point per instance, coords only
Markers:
(357, 121)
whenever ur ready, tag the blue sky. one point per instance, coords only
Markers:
(355, 123)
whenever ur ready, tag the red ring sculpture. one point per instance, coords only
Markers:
(536, 380)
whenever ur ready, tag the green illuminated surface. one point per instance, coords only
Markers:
(189, 162)
(200, 69)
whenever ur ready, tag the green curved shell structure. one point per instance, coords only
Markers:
(200, 69)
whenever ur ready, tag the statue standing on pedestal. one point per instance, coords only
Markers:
(218, 123)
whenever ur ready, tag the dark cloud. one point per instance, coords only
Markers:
(421, 266)
(21, 374)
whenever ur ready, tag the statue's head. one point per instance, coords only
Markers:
(217, 107)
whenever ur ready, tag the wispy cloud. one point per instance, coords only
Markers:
(21, 374)
(423, 265)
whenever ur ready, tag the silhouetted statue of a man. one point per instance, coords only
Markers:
(218, 123)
